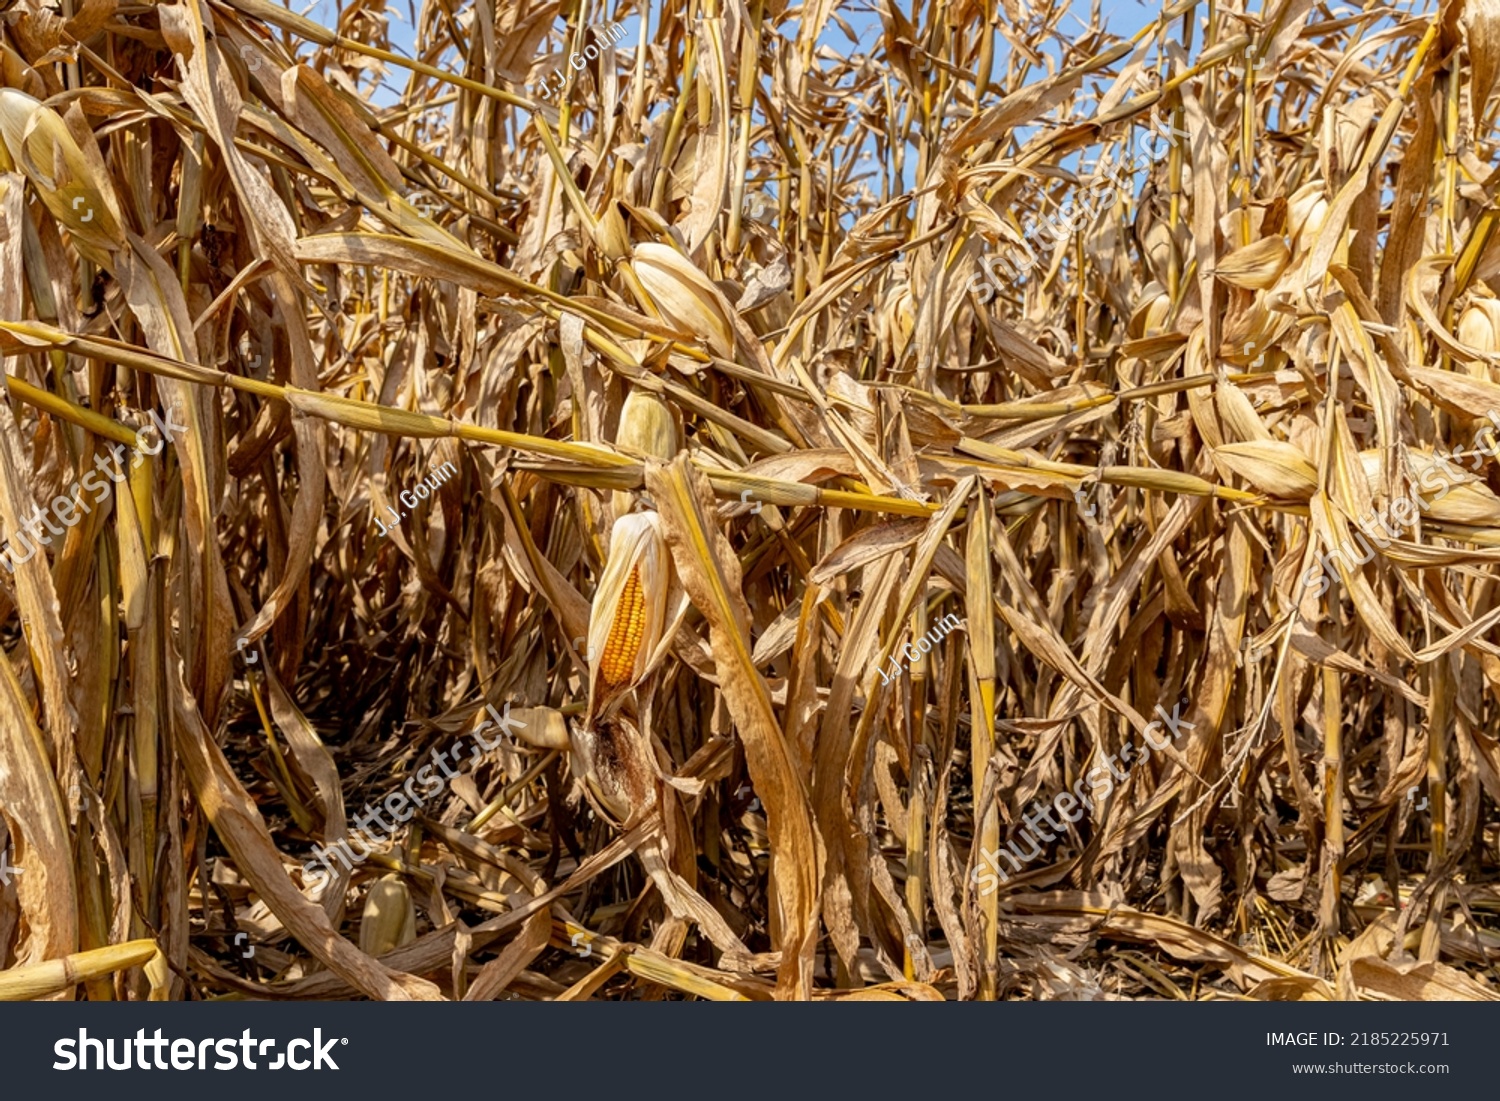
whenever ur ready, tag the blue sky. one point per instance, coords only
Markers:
(1122, 19)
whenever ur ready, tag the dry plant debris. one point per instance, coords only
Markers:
(763, 339)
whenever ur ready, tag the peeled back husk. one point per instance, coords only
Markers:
(628, 619)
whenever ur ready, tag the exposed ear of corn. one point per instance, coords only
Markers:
(628, 617)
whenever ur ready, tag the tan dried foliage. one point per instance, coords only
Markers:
(772, 342)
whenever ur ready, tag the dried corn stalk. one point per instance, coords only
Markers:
(1206, 435)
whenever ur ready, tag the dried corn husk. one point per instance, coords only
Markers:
(1448, 492)
(684, 295)
(78, 195)
(1479, 328)
(37, 980)
(1257, 266)
(648, 429)
(1306, 211)
(390, 919)
(1271, 466)
(1479, 325)
(544, 727)
(384, 285)
(646, 426)
(1151, 314)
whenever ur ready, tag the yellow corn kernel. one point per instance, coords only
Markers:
(627, 623)
(626, 634)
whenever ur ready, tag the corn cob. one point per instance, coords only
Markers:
(626, 634)
(628, 618)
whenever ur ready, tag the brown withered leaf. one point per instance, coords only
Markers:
(710, 572)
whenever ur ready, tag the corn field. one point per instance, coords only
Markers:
(650, 501)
